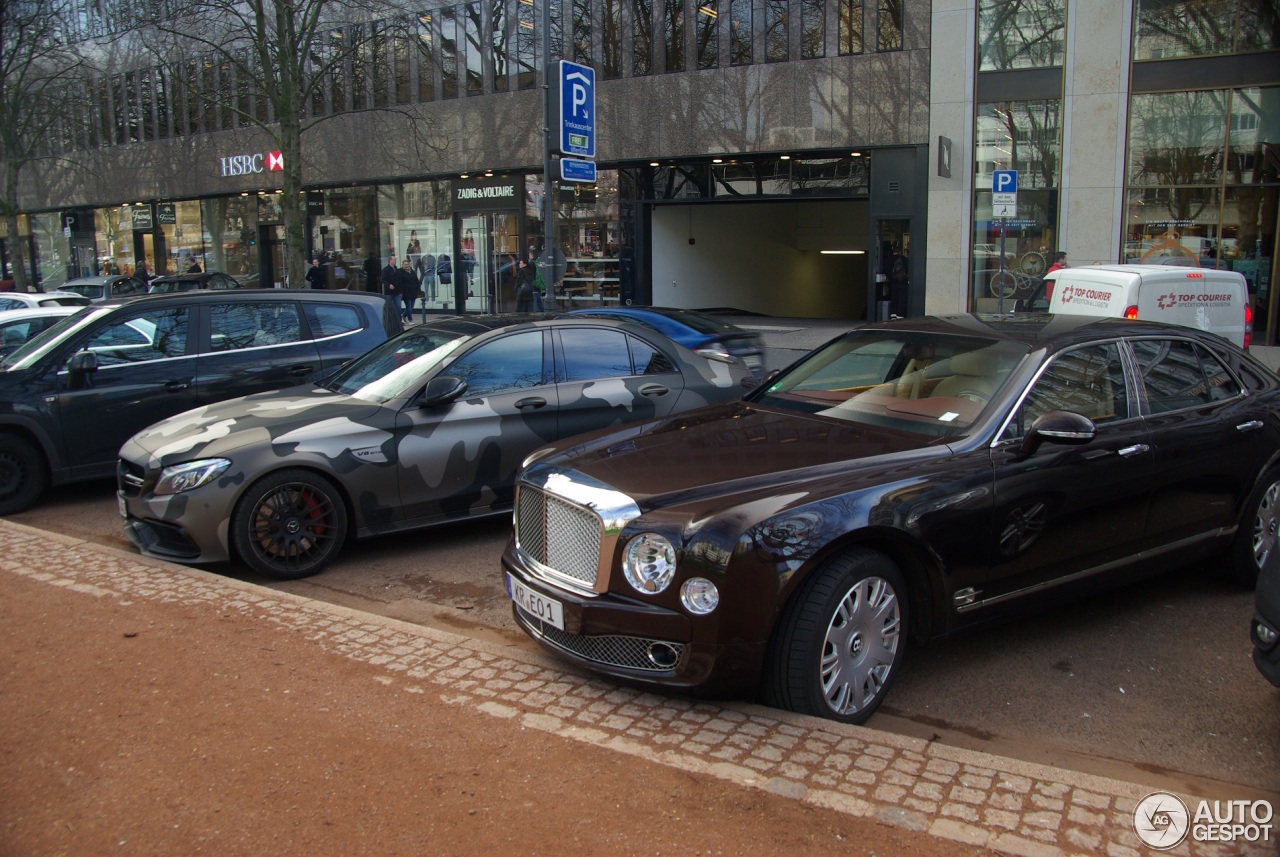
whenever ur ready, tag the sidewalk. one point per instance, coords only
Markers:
(149, 708)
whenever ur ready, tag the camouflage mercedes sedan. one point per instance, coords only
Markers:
(427, 428)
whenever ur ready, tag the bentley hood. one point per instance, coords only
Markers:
(294, 416)
(735, 448)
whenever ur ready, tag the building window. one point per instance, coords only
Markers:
(708, 34)
(360, 48)
(642, 17)
(740, 32)
(850, 27)
(402, 46)
(889, 26)
(673, 34)
(501, 54)
(448, 52)
(1025, 136)
(582, 31)
(380, 61)
(813, 30)
(426, 58)
(775, 30)
(526, 45)
(1194, 28)
(1022, 34)
(611, 41)
(473, 48)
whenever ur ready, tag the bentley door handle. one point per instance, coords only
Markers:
(1250, 425)
(1136, 449)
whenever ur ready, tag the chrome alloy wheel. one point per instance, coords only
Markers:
(861, 642)
(1266, 524)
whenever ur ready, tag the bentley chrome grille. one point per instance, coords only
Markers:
(562, 536)
(567, 527)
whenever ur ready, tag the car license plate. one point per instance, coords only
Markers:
(124, 513)
(539, 606)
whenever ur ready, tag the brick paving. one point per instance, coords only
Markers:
(1002, 804)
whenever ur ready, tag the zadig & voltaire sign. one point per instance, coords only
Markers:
(243, 165)
(487, 194)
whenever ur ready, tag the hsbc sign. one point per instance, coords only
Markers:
(243, 165)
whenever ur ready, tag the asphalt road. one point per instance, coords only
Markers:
(1152, 683)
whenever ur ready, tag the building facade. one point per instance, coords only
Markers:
(805, 158)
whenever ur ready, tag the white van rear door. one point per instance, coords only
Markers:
(1206, 300)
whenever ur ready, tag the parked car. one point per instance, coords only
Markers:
(426, 429)
(904, 481)
(1265, 629)
(697, 331)
(98, 289)
(72, 395)
(29, 300)
(190, 282)
(19, 325)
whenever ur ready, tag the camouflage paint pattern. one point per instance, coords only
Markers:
(402, 465)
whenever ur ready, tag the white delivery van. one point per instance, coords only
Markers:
(1204, 298)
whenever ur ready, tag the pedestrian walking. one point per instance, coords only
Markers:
(390, 283)
(315, 275)
(524, 287)
(371, 272)
(408, 282)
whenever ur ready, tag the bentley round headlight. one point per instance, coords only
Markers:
(699, 596)
(649, 563)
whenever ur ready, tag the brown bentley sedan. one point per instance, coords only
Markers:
(902, 482)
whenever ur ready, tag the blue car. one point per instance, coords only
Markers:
(699, 332)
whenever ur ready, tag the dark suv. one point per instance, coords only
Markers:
(72, 395)
(191, 282)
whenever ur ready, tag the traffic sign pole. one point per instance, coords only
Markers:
(548, 192)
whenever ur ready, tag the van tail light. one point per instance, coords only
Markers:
(1248, 325)
(1131, 312)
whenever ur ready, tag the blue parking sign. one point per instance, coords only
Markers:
(577, 110)
(1004, 181)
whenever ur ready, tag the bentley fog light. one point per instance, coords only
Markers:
(190, 475)
(699, 596)
(649, 563)
(1265, 635)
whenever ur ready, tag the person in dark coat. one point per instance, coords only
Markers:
(390, 282)
(371, 272)
(408, 283)
(315, 276)
(524, 286)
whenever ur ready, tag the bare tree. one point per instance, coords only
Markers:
(37, 71)
(278, 61)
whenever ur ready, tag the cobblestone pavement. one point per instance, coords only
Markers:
(1005, 805)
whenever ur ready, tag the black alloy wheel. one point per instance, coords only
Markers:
(289, 525)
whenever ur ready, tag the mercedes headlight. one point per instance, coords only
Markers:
(649, 563)
(190, 475)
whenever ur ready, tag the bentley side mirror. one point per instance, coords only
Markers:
(1059, 427)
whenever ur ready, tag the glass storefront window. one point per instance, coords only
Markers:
(1177, 138)
(53, 265)
(1203, 186)
(232, 226)
(1193, 28)
(1009, 254)
(1020, 34)
(344, 234)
